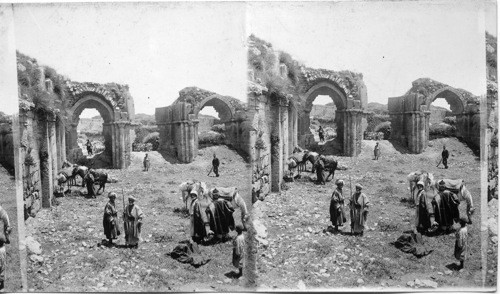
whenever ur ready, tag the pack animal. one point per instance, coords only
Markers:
(416, 176)
(188, 186)
(330, 165)
(100, 178)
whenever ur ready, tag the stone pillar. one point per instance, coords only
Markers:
(276, 150)
(284, 137)
(46, 168)
(52, 150)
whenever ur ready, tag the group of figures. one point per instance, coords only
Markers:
(320, 164)
(439, 205)
(90, 178)
(132, 221)
(358, 209)
(211, 216)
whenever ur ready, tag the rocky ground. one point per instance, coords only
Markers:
(8, 202)
(492, 263)
(298, 253)
(64, 249)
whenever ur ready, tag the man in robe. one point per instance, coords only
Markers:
(6, 229)
(239, 250)
(89, 182)
(444, 156)
(424, 211)
(337, 216)
(146, 163)
(461, 242)
(200, 225)
(132, 221)
(321, 134)
(445, 208)
(89, 147)
(376, 151)
(319, 165)
(359, 211)
(220, 217)
(110, 218)
(215, 165)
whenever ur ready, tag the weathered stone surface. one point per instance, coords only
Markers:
(33, 245)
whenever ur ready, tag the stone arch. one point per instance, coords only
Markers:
(225, 110)
(410, 113)
(92, 100)
(451, 95)
(326, 88)
(115, 106)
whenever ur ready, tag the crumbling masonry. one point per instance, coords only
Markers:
(178, 123)
(410, 114)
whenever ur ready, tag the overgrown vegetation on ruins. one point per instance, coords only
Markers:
(32, 90)
(265, 63)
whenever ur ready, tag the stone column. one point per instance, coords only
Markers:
(284, 137)
(121, 152)
(276, 150)
(52, 150)
(46, 168)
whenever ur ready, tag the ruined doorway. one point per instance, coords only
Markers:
(325, 104)
(91, 118)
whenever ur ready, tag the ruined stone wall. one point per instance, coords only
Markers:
(260, 147)
(6, 146)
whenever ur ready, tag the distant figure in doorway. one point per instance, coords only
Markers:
(110, 218)
(321, 134)
(215, 165)
(146, 163)
(359, 211)
(444, 156)
(89, 147)
(376, 151)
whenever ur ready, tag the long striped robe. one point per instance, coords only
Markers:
(131, 227)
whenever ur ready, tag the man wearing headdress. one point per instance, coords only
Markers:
(337, 216)
(444, 156)
(376, 151)
(89, 182)
(359, 211)
(445, 207)
(132, 220)
(199, 226)
(6, 229)
(109, 220)
(221, 216)
(215, 165)
(319, 165)
(424, 214)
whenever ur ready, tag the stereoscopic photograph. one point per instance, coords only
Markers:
(368, 144)
(134, 144)
(248, 146)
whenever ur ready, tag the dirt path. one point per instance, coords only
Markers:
(301, 255)
(70, 233)
(8, 202)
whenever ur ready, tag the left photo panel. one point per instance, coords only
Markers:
(12, 261)
(134, 146)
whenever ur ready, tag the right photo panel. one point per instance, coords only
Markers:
(373, 144)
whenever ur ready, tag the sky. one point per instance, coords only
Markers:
(390, 43)
(157, 49)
